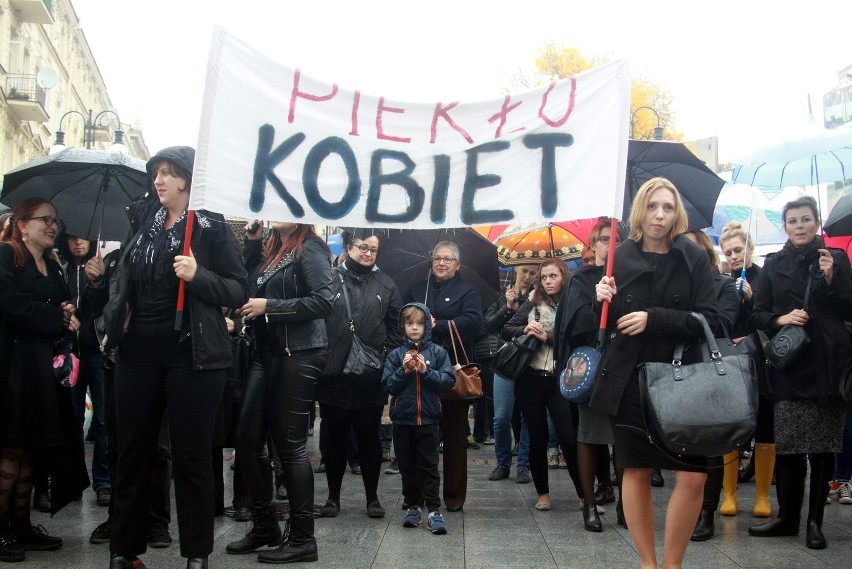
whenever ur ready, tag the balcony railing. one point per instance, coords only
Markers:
(25, 98)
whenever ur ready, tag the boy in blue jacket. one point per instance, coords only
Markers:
(415, 373)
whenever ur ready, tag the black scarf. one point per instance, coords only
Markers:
(357, 268)
(153, 255)
(809, 251)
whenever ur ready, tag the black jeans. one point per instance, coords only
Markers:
(417, 454)
(155, 374)
(535, 395)
(337, 422)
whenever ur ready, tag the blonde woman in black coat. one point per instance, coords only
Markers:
(659, 277)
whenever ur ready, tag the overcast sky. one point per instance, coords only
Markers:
(740, 70)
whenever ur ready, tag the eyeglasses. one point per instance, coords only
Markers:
(588, 260)
(443, 260)
(605, 239)
(367, 249)
(48, 220)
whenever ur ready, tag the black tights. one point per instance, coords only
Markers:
(336, 424)
(16, 486)
(592, 461)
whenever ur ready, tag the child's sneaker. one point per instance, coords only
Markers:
(412, 518)
(436, 523)
(845, 492)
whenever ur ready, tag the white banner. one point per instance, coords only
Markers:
(276, 144)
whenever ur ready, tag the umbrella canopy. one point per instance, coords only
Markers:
(406, 256)
(698, 185)
(533, 243)
(825, 156)
(89, 188)
(754, 208)
(839, 221)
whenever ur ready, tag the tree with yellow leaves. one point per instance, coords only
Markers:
(555, 61)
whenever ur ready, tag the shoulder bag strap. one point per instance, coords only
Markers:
(453, 328)
(808, 289)
(453, 342)
(348, 307)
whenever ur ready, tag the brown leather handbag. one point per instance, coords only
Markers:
(468, 383)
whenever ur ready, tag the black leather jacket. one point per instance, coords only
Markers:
(298, 293)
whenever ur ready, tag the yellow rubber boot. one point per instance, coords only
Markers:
(729, 484)
(764, 454)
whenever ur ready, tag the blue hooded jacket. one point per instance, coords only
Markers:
(414, 398)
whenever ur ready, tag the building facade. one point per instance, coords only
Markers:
(49, 76)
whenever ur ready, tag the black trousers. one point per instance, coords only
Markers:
(155, 375)
(454, 430)
(337, 423)
(416, 450)
(535, 395)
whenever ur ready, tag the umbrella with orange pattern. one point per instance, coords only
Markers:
(533, 243)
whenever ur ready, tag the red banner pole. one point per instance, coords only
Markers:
(187, 239)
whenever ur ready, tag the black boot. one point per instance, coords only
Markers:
(619, 513)
(705, 528)
(196, 563)
(264, 531)
(300, 545)
(591, 520)
(822, 469)
(790, 473)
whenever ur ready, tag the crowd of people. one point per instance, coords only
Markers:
(271, 327)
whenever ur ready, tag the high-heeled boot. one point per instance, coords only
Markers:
(764, 466)
(790, 486)
(729, 484)
(591, 520)
(705, 528)
(264, 531)
(822, 469)
(300, 546)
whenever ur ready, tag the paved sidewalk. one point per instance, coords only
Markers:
(498, 528)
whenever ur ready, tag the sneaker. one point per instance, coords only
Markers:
(412, 518)
(472, 444)
(104, 496)
(320, 468)
(500, 472)
(553, 462)
(489, 441)
(833, 490)
(37, 539)
(604, 495)
(436, 523)
(845, 492)
(10, 551)
(386, 456)
(523, 476)
(355, 469)
(562, 462)
(393, 467)
(159, 536)
(121, 562)
(102, 533)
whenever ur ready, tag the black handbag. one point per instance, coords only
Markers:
(514, 357)
(789, 342)
(364, 363)
(707, 408)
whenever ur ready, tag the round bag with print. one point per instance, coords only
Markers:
(577, 379)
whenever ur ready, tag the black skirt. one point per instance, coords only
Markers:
(633, 448)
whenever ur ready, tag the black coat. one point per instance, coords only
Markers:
(298, 294)
(376, 304)
(576, 323)
(780, 289)
(457, 300)
(220, 281)
(682, 285)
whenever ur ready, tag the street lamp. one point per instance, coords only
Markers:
(658, 130)
(89, 128)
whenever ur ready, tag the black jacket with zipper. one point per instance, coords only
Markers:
(298, 297)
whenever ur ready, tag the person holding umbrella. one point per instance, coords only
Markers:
(808, 409)
(659, 278)
(163, 370)
(36, 413)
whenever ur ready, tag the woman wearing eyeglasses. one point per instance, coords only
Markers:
(451, 298)
(36, 413)
(347, 403)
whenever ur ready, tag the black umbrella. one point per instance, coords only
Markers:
(89, 188)
(406, 256)
(698, 185)
(839, 220)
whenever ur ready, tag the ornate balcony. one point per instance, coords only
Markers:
(25, 99)
(33, 11)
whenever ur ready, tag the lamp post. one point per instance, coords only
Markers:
(89, 127)
(658, 130)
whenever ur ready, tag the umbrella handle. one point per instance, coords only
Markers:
(610, 260)
(187, 238)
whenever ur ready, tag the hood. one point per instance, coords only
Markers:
(427, 335)
(65, 253)
(182, 156)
